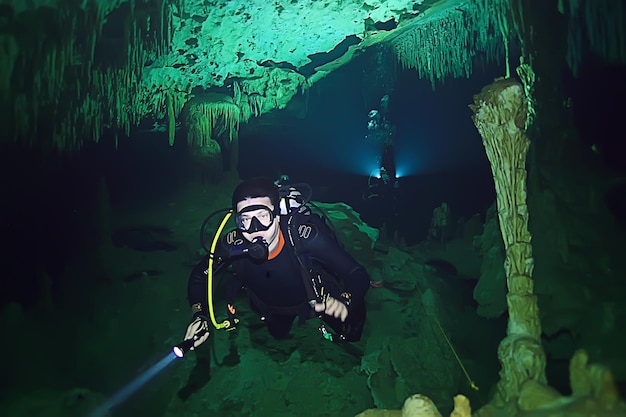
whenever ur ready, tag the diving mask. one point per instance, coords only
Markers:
(255, 218)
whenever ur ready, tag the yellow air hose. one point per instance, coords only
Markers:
(226, 323)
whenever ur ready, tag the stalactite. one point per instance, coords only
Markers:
(503, 25)
(81, 99)
(171, 125)
(166, 22)
(445, 43)
(596, 26)
(205, 115)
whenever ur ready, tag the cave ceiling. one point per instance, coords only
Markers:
(72, 69)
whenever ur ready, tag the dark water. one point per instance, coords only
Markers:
(438, 152)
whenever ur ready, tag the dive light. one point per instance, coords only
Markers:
(186, 345)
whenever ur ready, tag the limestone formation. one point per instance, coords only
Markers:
(419, 405)
(500, 114)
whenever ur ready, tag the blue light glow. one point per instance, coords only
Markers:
(123, 394)
(356, 158)
(409, 161)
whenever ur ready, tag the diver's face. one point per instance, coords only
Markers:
(258, 216)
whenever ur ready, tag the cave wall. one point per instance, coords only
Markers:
(577, 232)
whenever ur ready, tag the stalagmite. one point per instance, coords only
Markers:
(419, 405)
(500, 116)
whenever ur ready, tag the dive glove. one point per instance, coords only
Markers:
(198, 330)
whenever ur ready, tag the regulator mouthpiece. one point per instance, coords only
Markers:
(258, 249)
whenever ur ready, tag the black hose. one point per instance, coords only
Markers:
(203, 226)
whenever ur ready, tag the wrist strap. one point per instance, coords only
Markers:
(200, 315)
(346, 298)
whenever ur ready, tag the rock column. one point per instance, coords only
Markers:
(500, 114)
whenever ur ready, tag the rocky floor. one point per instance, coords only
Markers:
(127, 306)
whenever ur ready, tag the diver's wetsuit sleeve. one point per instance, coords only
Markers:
(325, 249)
(197, 286)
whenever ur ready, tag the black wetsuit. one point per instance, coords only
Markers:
(277, 286)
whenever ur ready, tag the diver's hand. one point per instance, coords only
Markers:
(197, 327)
(333, 307)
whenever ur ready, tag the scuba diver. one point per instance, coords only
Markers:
(382, 184)
(379, 129)
(382, 192)
(379, 184)
(290, 263)
(282, 180)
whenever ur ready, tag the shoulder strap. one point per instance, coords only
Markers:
(311, 280)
